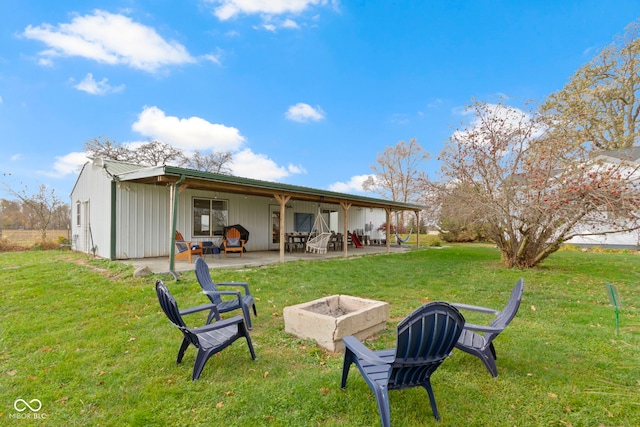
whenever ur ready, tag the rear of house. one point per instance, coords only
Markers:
(119, 212)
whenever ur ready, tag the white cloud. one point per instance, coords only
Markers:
(89, 85)
(215, 58)
(272, 24)
(399, 119)
(435, 103)
(227, 9)
(353, 185)
(302, 113)
(296, 169)
(67, 164)
(196, 133)
(511, 120)
(0, 100)
(110, 39)
(248, 164)
(193, 133)
(16, 157)
(290, 23)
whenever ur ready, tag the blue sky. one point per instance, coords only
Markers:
(305, 92)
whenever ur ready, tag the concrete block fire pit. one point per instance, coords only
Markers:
(327, 320)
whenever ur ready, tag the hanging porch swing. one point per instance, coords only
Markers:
(318, 243)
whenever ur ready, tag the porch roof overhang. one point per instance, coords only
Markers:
(169, 175)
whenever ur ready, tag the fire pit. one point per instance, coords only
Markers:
(327, 320)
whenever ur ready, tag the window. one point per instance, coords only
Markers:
(78, 213)
(302, 222)
(209, 217)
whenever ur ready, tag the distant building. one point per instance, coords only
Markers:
(629, 239)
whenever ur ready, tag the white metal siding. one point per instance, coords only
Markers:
(143, 223)
(93, 190)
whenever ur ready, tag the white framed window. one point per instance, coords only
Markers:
(209, 217)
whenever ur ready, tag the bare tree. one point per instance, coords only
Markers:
(102, 147)
(216, 162)
(397, 173)
(154, 153)
(41, 206)
(10, 214)
(601, 102)
(61, 219)
(529, 190)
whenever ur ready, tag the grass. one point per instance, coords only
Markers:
(90, 342)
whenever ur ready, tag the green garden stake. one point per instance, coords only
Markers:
(614, 299)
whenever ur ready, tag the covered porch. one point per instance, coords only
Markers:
(252, 259)
(250, 201)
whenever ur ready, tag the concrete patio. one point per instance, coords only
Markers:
(160, 265)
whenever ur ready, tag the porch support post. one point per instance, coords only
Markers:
(345, 226)
(282, 199)
(174, 221)
(418, 227)
(388, 230)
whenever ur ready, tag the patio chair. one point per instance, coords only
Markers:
(232, 242)
(240, 301)
(186, 250)
(424, 340)
(481, 344)
(208, 339)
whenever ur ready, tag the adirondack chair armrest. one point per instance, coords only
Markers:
(198, 308)
(245, 285)
(219, 324)
(481, 328)
(475, 308)
(237, 294)
(361, 351)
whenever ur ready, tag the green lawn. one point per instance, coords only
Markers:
(91, 344)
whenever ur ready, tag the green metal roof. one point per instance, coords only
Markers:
(228, 183)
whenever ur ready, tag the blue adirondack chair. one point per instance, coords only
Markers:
(478, 340)
(208, 339)
(424, 340)
(239, 301)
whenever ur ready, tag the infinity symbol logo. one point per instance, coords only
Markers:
(21, 405)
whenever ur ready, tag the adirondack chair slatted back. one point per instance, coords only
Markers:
(170, 308)
(180, 245)
(509, 312)
(233, 237)
(204, 278)
(425, 339)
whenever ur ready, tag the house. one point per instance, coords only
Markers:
(123, 211)
(622, 239)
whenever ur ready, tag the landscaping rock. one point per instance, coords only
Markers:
(142, 271)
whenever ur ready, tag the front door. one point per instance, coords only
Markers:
(274, 228)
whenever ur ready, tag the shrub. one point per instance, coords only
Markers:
(47, 245)
(7, 245)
